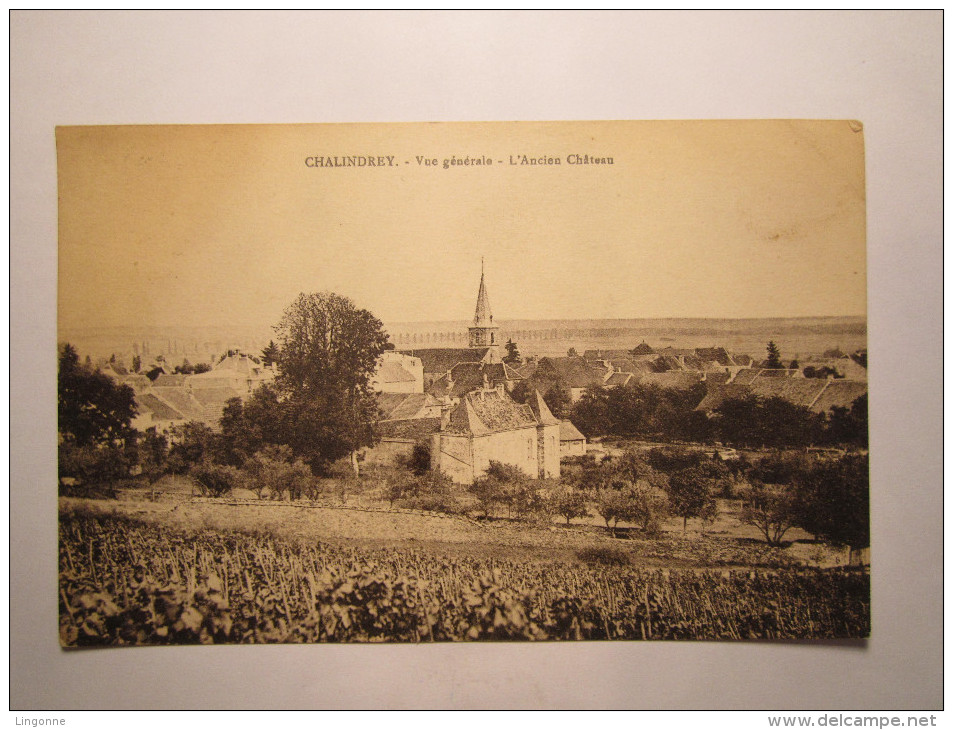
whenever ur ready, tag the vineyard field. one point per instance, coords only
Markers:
(126, 582)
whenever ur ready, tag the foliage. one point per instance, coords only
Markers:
(770, 508)
(123, 583)
(216, 480)
(93, 467)
(569, 503)
(491, 489)
(192, 443)
(328, 350)
(152, 452)
(603, 556)
(690, 494)
(823, 372)
(774, 356)
(269, 355)
(648, 506)
(644, 411)
(849, 425)
(512, 356)
(758, 422)
(555, 394)
(611, 505)
(275, 470)
(93, 410)
(418, 461)
(833, 500)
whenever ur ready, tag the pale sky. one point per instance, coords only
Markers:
(226, 225)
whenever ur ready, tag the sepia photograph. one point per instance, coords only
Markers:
(462, 382)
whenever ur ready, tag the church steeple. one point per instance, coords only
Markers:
(483, 316)
(483, 331)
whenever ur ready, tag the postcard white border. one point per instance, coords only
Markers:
(881, 68)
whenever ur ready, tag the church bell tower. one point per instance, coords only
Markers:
(484, 333)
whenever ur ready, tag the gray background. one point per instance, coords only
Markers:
(143, 68)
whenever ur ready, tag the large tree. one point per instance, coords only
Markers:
(327, 352)
(96, 437)
(833, 501)
(93, 409)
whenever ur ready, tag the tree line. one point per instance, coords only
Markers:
(656, 413)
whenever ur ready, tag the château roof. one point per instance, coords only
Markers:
(541, 411)
(486, 411)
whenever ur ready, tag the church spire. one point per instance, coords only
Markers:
(483, 331)
(483, 317)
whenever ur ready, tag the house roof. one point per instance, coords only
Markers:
(840, 393)
(416, 429)
(800, 391)
(744, 377)
(541, 411)
(487, 411)
(618, 379)
(716, 377)
(164, 380)
(574, 372)
(394, 372)
(466, 376)
(678, 380)
(778, 373)
(814, 393)
(568, 432)
(161, 411)
(717, 394)
(400, 406)
(714, 354)
(439, 360)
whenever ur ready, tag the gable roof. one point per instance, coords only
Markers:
(411, 429)
(400, 406)
(800, 391)
(393, 372)
(717, 394)
(466, 376)
(574, 372)
(714, 354)
(744, 377)
(814, 393)
(618, 379)
(840, 393)
(487, 411)
(161, 411)
(541, 412)
(439, 360)
(678, 380)
(568, 432)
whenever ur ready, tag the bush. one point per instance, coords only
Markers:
(272, 469)
(608, 556)
(215, 480)
(569, 503)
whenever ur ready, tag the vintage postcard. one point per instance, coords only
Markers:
(462, 382)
